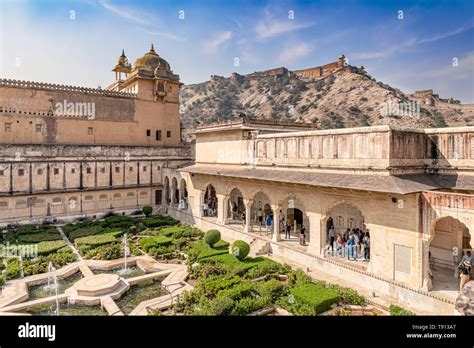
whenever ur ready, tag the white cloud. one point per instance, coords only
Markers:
(212, 45)
(270, 26)
(140, 17)
(292, 53)
(126, 13)
(267, 29)
(463, 71)
(165, 35)
(395, 48)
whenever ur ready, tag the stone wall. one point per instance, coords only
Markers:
(375, 148)
(39, 113)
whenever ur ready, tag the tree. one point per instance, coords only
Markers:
(147, 210)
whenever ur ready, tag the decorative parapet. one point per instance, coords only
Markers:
(67, 88)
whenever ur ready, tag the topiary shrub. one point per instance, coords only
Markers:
(240, 249)
(147, 210)
(212, 237)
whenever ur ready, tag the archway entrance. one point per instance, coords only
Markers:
(166, 187)
(210, 203)
(174, 191)
(450, 242)
(261, 214)
(293, 219)
(236, 206)
(183, 192)
(345, 232)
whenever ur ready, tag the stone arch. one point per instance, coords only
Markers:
(183, 194)
(261, 208)
(446, 232)
(166, 186)
(236, 204)
(210, 201)
(174, 190)
(345, 224)
(294, 211)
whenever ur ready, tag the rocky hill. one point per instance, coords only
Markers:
(348, 97)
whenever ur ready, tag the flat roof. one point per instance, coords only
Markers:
(403, 184)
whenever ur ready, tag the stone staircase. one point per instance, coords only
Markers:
(260, 247)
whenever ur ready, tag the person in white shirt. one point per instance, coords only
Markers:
(331, 237)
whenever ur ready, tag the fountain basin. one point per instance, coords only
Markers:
(98, 284)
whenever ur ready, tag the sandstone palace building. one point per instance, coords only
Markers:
(411, 189)
(68, 152)
(76, 152)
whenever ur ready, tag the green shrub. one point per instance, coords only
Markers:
(13, 269)
(311, 299)
(248, 305)
(160, 220)
(267, 269)
(212, 237)
(154, 241)
(207, 269)
(231, 263)
(211, 285)
(347, 295)
(240, 249)
(272, 289)
(243, 289)
(217, 307)
(200, 250)
(118, 219)
(45, 248)
(2, 280)
(147, 210)
(39, 237)
(40, 265)
(96, 240)
(109, 252)
(86, 229)
(298, 277)
(399, 311)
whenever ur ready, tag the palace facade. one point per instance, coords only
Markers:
(69, 152)
(412, 190)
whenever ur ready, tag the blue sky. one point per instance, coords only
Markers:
(414, 49)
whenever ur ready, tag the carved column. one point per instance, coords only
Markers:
(276, 224)
(222, 201)
(317, 241)
(248, 212)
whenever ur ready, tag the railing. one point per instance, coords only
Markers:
(57, 87)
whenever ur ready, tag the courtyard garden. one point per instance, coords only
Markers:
(222, 279)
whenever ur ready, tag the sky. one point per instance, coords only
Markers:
(411, 45)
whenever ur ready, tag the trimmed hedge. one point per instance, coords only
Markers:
(97, 240)
(231, 263)
(310, 299)
(159, 221)
(240, 249)
(39, 237)
(155, 241)
(200, 250)
(212, 237)
(45, 248)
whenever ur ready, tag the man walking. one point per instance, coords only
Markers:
(331, 238)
